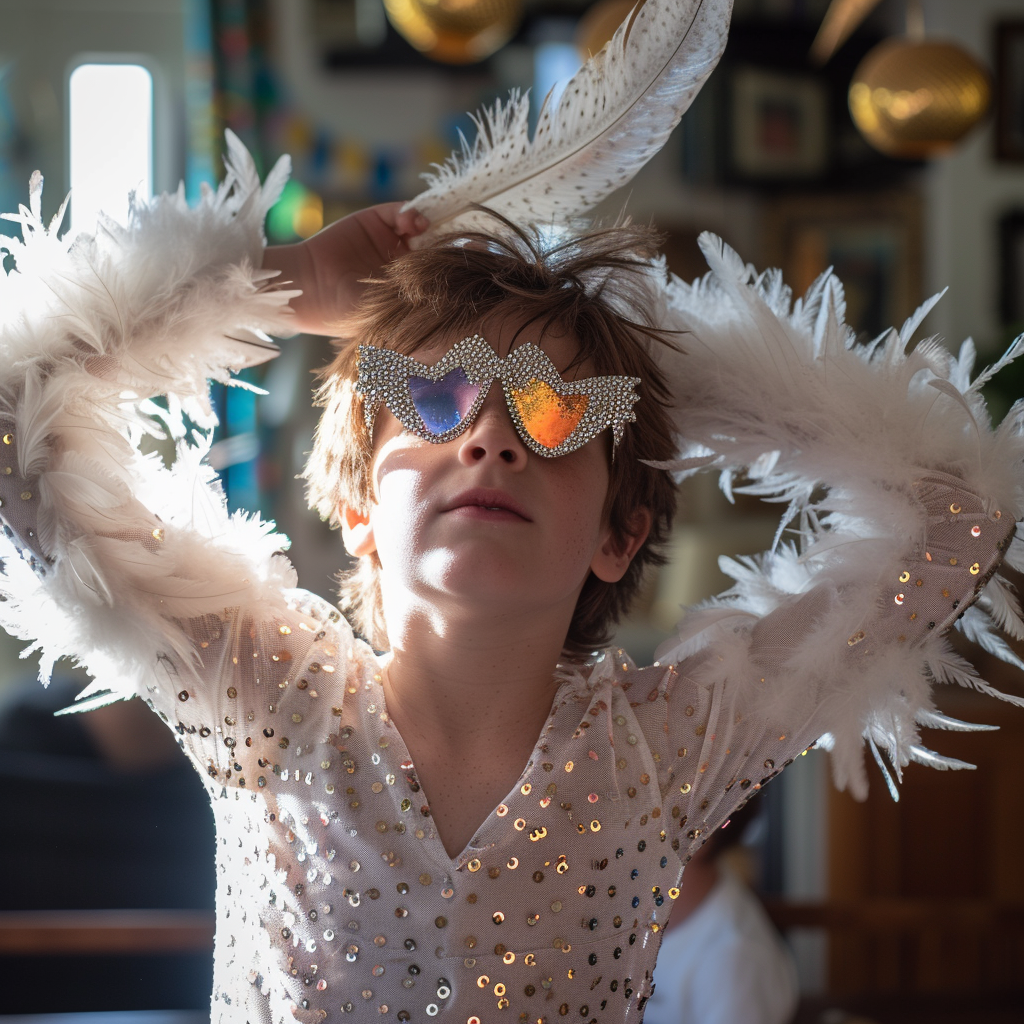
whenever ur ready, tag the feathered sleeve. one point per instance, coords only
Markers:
(901, 506)
(129, 567)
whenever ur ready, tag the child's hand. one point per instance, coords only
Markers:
(331, 266)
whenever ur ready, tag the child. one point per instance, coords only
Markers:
(491, 820)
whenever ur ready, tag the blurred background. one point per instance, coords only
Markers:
(885, 139)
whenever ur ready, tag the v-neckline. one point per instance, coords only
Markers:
(571, 678)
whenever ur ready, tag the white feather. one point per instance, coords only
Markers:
(977, 626)
(935, 720)
(999, 601)
(614, 114)
(928, 757)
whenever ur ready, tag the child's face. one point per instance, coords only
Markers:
(481, 519)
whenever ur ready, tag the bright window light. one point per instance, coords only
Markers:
(111, 118)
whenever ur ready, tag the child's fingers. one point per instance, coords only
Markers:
(405, 223)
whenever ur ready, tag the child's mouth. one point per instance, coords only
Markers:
(489, 504)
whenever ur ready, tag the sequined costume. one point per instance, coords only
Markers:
(335, 894)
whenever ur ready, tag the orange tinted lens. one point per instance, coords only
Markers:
(549, 418)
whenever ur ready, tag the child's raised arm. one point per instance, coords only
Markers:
(903, 501)
(134, 569)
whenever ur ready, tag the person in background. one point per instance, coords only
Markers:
(722, 961)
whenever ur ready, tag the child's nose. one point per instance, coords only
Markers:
(492, 435)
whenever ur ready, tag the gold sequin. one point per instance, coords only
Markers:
(975, 569)
(954, 508)
(904, 577)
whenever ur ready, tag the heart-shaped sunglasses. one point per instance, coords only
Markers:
(437, 403)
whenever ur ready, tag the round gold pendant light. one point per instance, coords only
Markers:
(455, 31)
(918, 98)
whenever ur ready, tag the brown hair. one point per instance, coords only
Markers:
(593, 287)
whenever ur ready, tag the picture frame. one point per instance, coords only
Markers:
(1009, 91)
(778, 125)
(872, 241)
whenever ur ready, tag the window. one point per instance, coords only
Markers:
(111, 140)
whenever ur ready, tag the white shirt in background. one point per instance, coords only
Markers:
(725, 964)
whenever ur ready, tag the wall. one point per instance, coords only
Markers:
(966, 193)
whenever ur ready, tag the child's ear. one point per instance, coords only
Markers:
(357, 533)
(616, 551)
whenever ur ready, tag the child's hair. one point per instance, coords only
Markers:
(593, 287)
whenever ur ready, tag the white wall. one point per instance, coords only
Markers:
(42, 38)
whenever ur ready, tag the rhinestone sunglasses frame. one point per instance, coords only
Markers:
(384, 374)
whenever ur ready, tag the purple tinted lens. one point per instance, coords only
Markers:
(443, 404)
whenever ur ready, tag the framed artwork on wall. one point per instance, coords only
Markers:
(872, 241)
(778, 125)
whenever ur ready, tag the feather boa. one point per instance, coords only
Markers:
(790, 405)
(93, 329)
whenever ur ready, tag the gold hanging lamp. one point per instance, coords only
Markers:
(916, 97)
(455, 31)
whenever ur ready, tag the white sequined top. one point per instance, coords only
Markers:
(335, 893)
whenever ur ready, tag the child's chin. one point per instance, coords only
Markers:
(491, 577)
